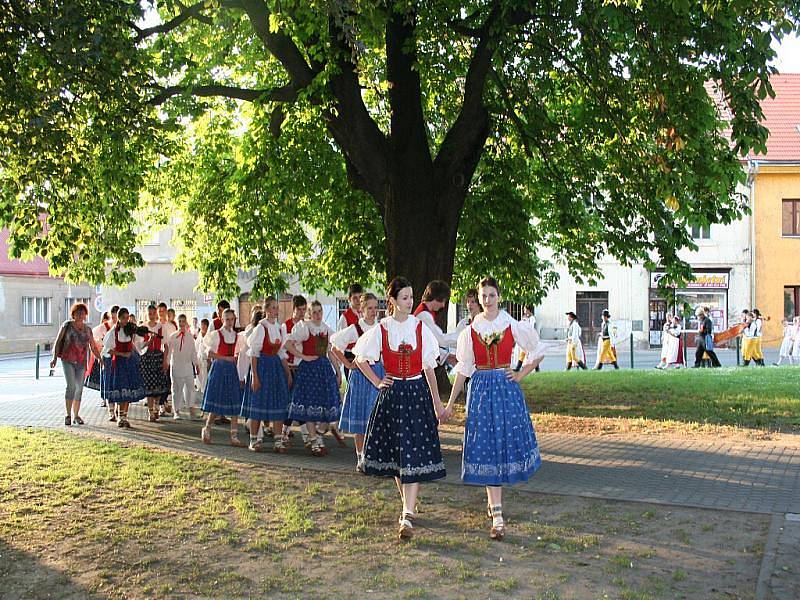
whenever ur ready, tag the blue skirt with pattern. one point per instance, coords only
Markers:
(315, 393)
(223, 396)
(359, 400)
(122, 381)
(499, 442)
(271, 401)
(403, 434)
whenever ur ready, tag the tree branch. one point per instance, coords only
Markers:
(193, 12)
(280, 45)
(286, 93)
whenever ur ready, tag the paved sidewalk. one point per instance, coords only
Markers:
(759, 477)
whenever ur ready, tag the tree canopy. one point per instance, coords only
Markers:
(350, 140)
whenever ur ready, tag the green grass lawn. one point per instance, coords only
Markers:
(86, 518)
(765, 399)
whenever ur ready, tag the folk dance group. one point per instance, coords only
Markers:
(279, 374)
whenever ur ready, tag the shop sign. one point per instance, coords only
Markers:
(698, 281)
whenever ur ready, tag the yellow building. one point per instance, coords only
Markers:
(775, 202)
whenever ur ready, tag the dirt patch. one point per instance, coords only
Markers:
(86, 518)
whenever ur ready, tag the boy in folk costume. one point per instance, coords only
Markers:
(166, 317)
(748, 333)
(575, 355)
(758, 333)
(705, 340)
(218, 321)
(351, 317)
(786, 344)
(122, 377)
(434, 299)
(181, 360)
(606, 346)
(203, 363)
(223, 394)
(156, 382)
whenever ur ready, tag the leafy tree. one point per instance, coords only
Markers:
(346, 140)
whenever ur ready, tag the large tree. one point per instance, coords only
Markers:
(347, 140)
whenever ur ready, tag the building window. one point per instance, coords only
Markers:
(791, 301)
(184, 306)
(141, 309)
(791, 217)
(68, 302)
(701, 232)
(342, 304)
(36, 311)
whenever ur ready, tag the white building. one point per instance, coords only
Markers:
(722, 276)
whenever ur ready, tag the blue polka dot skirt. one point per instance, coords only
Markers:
(122, 381)
(156, 380)
(499, 442)
(359, 400)
(315, 393)
(223, 395)
(271, 401)
(403, 436)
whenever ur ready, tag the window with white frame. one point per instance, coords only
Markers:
(701, 232)
(68, 302)
(36, 311)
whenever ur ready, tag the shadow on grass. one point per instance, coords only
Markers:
(23, 575)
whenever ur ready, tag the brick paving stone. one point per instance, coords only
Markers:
(755, 477)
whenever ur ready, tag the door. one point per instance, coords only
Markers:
(589, 307)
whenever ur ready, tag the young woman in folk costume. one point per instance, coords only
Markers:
(93, 372)
(122, 376)
(156, 379)
(786, 344)
(361, 394)
(266, 392)
(223, 394)
(315, 390)
(402, 439)
(299, 310)
(500, 445)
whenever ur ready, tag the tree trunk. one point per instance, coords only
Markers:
(421, 241)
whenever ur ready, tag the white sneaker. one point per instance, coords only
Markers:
(177, 416)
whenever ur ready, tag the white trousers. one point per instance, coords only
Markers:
(182, 392)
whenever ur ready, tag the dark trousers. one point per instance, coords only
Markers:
(698, 356)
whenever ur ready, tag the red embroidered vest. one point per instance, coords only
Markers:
(122, 346)
(404, 362)
(316, 345)
(269, 348)
(493, 356)
(153, 341)
(226, 349)
(351, 318)
(217, 323)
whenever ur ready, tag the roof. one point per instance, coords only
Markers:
(38, 267)
(782, 118)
